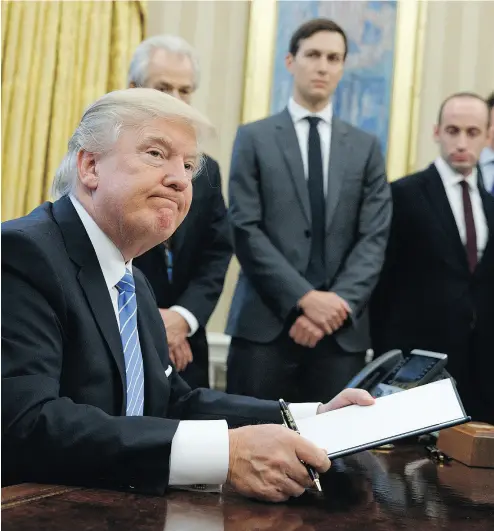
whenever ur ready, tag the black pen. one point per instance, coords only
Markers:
(289, 422)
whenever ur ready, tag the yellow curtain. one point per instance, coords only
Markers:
(57, 57)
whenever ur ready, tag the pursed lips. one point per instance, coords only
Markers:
(174, 201)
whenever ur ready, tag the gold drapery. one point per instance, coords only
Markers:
(57, 57)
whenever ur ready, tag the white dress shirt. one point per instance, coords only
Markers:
(487, 166)
(302, 126)
(451, 181)
(189, 317)
(200, 448)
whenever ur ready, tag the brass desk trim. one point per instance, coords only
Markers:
(15, 495)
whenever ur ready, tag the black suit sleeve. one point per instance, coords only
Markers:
(205, 286)
(209, 404)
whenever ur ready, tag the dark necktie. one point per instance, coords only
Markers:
(316, 271)
(471, 243)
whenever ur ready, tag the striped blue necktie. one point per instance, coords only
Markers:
(127, 315)
(169, 262)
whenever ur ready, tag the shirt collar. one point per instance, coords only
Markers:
(451, 177)
(487, 155)
(299, 113)
(110, 259)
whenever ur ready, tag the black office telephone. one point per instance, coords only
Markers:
(393, 372)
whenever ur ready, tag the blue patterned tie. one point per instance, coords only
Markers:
(169, 262)
(127, 315)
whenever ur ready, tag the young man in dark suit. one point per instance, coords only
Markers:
(188, 271)
(310, 208)
(89, 393)
(436, 291)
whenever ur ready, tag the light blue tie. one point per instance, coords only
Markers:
(127, 315)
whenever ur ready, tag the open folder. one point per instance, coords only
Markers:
(420, 410)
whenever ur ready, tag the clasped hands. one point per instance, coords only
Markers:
(323, 314)
(177, 329)
(265, 459)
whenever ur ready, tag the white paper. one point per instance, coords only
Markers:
(391, 416)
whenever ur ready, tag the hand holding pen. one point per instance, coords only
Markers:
(265, 462)
(290, 423)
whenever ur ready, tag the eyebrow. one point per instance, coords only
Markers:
(323, 52)
(167, 144)
(180, 86)
(460, 127)
(156, 139)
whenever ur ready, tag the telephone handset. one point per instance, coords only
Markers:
(393, 372)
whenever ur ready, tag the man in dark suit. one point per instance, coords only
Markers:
(188, 271)
(310, 208)
(437, 287)
(89, 395)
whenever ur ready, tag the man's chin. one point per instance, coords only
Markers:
(166, 220)
(462, 167)
(319, 95)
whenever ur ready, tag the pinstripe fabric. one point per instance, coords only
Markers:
(127, 315)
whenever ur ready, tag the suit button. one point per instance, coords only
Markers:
(307, 233)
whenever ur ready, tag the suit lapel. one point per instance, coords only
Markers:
(488, 204)
(91, 279)
(156, 387)
(340, 153)
(289, 146)
(439, 205)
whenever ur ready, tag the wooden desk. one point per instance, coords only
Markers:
(372, 491)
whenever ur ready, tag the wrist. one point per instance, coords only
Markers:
(232, 450)
(181, 322)
(301, 302)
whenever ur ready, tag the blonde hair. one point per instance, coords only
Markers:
(102, 123)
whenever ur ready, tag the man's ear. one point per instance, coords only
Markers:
(86, 166)
(436, 133)
(289, 61)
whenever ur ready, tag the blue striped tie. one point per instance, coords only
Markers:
(127, 314)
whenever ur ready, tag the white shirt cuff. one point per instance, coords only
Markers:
(304, 410)
(200, 453)
(189, 317)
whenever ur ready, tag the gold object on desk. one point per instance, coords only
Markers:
(472, 444)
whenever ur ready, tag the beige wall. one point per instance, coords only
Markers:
(459, 44)
(218, 30)
(459, 56)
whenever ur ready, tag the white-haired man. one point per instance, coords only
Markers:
(88, 393)
(187, 272)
